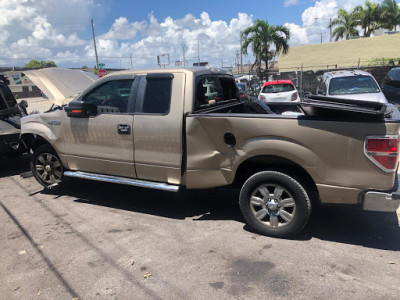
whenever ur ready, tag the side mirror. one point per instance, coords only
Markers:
(321, 93)
(23, 103)
(22, 107)
(79, 109)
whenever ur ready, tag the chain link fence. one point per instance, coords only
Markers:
(306, 81)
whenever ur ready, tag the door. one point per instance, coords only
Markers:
(158, 129)
(104, 143)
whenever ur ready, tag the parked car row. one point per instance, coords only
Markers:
(343, 84)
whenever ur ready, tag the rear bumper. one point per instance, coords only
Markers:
(383, 201)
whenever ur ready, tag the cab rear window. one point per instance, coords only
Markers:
(214, 90)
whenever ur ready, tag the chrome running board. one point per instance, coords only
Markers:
(123, 180)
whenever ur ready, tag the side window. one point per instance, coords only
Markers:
(111, 97)
(3, 104)
(229, 88)
(322, 87)
(157, 94)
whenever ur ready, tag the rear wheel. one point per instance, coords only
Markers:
(273, 203)
(46, 166)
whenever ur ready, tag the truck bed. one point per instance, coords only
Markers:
(330, 151)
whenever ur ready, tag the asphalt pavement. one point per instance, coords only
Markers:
(92, 240)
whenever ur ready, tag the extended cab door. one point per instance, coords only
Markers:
(157, 127)
(104, 143)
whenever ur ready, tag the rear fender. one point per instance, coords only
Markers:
(281, 148)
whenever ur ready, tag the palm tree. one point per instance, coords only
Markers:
(368, 17)
(390, 14)
(346, 25)
(266, 41)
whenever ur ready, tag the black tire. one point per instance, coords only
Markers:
(285, 206)
(46, 167)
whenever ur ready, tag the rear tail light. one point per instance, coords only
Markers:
(261, 98)
(383, 151)
(294, 97)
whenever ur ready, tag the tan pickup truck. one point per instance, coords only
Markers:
(172, 128)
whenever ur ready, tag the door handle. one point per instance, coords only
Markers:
(124, 129)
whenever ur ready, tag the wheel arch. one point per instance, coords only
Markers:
(272, 162)
(32, 140)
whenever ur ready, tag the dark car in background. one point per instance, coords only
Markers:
(391, 86)
(10, 120)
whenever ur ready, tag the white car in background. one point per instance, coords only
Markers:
(279, 91)
(354, 85)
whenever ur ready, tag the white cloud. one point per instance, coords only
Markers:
(48, 29)
(28, 31)
(288, 3)
(215, 40)
(298, 34)
(123, 30)
(316, 19)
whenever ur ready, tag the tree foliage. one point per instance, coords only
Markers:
(369, 17)
(390, 14)
(345, 25)
(34, 64)
(266, 41)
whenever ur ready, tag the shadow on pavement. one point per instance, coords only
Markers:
(342, 224)
(352, 225)
(215, 204)
(10, 166)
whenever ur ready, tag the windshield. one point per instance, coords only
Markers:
(278, 88)
(360, 84)
(394, 74)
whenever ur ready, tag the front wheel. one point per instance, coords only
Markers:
(273, 203)
(46, 166)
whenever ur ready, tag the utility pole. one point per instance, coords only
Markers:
(330, 27)
(94, 42)
(321, 36)
(198, 51)
(241, 53)
(183, 50)
(237, 60)
(130, 56)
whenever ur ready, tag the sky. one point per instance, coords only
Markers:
(131, 33)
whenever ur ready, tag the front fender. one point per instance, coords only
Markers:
(39, 125)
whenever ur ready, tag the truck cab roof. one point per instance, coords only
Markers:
(196, 71)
